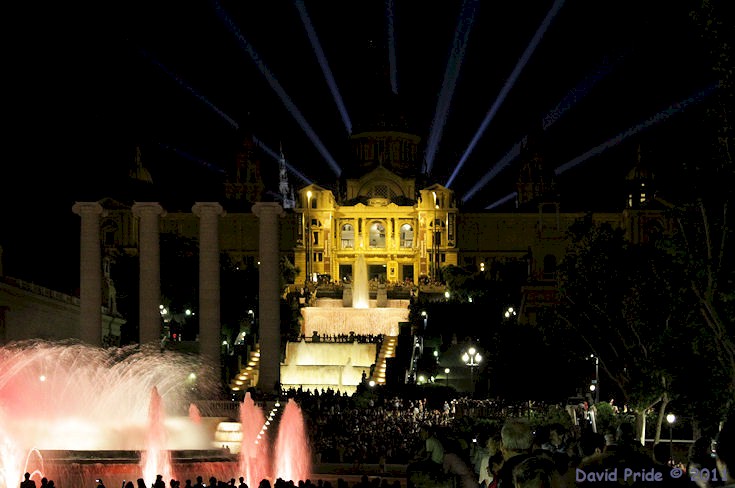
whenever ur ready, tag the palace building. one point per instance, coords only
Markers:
(382, 208)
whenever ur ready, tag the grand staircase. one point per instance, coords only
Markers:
(248, 375)
(387, 350)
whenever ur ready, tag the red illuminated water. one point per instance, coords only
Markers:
(75, 397)
(194, 414)
(156, 459)
(292, 452)
(254, 458)
(290, 457)
(60, 402)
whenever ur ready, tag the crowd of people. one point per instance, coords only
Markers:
(199, 482)
(510, 452)
(513, 453)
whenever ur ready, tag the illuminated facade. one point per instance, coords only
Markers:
(406, 228)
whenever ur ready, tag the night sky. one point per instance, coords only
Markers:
(182, 80)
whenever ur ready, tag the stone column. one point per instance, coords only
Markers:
(90, 272)
(269, 312)
(209, 281)
(149, 254)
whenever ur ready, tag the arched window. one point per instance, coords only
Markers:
(347, 236)
(377, 235)
(406, 236)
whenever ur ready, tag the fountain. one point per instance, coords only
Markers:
(74, 413)
(254, 459)
(360, 288)
(292, 453)
(340, 365)
(156, 459)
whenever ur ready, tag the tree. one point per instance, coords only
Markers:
(703, 216)
(616, 302)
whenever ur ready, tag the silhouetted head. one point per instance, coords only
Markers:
(725, 449)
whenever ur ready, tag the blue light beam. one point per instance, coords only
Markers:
(508, 85)
(324, 64)
(659, 117)
(232, 122)
(576, 94)
(276, 86)
(451, 73)
(186, 155)
(573, 96)
(392, 46)
(514, 152)
(270, 152)
(501, 201)
(188, 88)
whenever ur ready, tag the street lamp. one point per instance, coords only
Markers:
(671, 418)
(446, 375)
(472, 359)
(425, 316)
(308, 236)
(596, 382)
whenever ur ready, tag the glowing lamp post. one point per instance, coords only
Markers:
(595, 386)
(472, 358)
(670, 419)
(446, 375)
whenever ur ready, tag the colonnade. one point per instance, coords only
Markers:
(148, 215)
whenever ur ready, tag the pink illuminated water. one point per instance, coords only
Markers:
(292, 452)
(75, 397)
(194, 414)
(290, 458)
(60, 398)
(254, 459)
(156, 459)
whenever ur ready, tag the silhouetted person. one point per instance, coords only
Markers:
(100, 484)
(516, 442)
(129, 484)
(27, 481)
(725, 451)
(199, 483)
(537, 470)
(242, 483)
(702, 465)
(141, 483)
